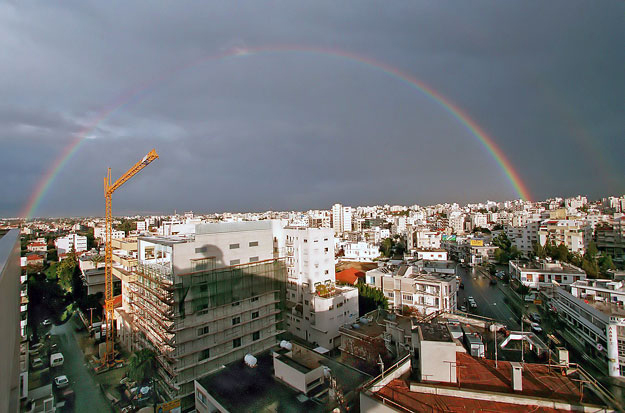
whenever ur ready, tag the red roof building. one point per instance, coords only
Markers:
(349, 276)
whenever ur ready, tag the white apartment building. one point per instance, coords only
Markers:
(316, 307)
(431, 254)
(594, 311)
(141, 226)
(359, 251)
(425, 292)
(575, 234)
(456, 222)
(341, 218)
(100, 233)
(525, 236)
(543, 273)
(64, 244)
(423, 238)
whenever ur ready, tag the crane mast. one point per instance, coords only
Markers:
(109, 188)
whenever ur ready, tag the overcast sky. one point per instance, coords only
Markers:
(299, 130)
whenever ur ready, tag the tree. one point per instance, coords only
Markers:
(606, 263)
(65, 270)
(386, 247)
(561, 253)
(370, 298)
(142, 366)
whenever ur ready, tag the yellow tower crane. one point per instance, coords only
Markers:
(109, 188)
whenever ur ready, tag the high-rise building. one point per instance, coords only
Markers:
(202, 300)
(317, 307)
(10, 378)
(341, 218)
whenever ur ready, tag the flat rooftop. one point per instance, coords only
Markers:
(240, 388)
(549, 267)
(434, 331)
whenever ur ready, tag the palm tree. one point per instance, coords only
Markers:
(142, 365)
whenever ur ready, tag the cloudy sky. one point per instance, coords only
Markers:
(288, 128)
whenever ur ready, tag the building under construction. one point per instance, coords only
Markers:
(201, 300)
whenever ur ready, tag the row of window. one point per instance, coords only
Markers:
(237, 262)
(250, 244)
(236, 320)
(204, 354)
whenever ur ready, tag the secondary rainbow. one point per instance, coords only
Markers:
(141, 90)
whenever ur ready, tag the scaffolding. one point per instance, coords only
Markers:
(161, 302)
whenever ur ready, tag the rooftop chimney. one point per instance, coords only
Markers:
(517, 376)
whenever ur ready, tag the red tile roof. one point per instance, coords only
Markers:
(349, 276)
(481, 375)
(398, 392)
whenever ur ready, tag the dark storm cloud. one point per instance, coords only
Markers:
(297, 130)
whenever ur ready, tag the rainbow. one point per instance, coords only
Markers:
(141, 90)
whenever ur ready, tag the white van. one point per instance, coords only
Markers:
(56, 359)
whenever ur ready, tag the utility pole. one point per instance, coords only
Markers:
(91, 318)
(495, 336)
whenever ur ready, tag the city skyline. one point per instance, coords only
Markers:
(292, 112)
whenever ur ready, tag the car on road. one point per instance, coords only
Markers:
(536, 328)
(535, 317)
(47, 322)
(463, 308)
(56, 359)
(61, 381)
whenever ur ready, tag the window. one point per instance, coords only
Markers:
(236, 320)
(256, 335)
(234, 304)
(205, 354)
(201, 249)
(234, 246)
(253, 244)
(253, 259)
(254, 299)
(204, 288)
(202, 330)
(326, 249)
(327, 272)
(201, 307)
(236, 342)
(305, 240)
(255, 314)
(235, 262)
(201, 397)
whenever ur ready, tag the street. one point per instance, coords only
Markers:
(87, 392)
(489, 298)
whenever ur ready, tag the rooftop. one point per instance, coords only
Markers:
(480, 377)
(546, 266)
(264, 393)
(434, 331)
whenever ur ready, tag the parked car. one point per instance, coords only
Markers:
(535, 317)
(36, 363)
(463, 308)
(47, 322)
(536, 328)
(61, 381)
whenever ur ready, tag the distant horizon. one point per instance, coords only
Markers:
(183, 211)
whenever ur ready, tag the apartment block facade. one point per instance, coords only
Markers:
(202, 300)
(317, 308)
